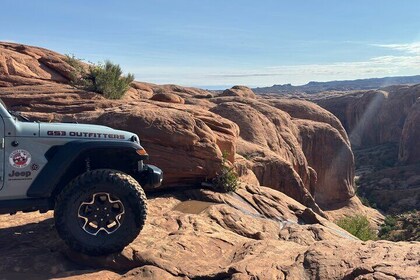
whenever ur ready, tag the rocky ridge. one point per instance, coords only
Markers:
(296, 148)
(269, 144)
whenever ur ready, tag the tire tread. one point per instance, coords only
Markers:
(137, 200)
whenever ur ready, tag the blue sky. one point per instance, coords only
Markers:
(216, 44)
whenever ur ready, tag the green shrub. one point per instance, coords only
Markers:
(106, 79)
(358, 226)
(226, 179)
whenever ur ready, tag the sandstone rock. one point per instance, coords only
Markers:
(149, 272)
(326, 148)
(241, 91)
(302, 109)
(255, 233)
(348, 209)
(269, 143)
(187, 146)
(377, 262)
(377, 122)
(410, 138)
(24, 65)
(268, 139)
(167, 97)
(359, 114)
(140, 91)
(371, 117)
(298, 146)
(331, 157)
(183, 91)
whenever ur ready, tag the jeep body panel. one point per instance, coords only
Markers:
(26, 171)
(64, 156)
(35, 139)
(82, 131)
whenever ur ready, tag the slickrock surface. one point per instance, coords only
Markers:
(255, 233)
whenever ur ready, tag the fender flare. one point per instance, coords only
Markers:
(60, 159)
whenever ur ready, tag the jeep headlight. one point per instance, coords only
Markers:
(135, 139)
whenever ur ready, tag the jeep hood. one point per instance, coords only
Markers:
(82, 131)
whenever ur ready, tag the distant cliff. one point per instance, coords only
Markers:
(361, 84)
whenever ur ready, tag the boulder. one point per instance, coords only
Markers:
(240, 91)
(168, 97)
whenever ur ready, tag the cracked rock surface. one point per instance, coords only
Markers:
(254, 233)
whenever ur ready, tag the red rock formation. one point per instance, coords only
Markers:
(285, 144)
(331, 157)
(24, 65)
(326, 147)
(410, 137)
(168, 97)
(241, 91)
(374, 120)
(301, 109)
(255, 233)
(371, 117)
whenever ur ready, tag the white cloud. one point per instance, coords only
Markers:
(413, 48)
(378, 66)
(298, 74)
(7, 41)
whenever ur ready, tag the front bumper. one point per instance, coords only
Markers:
(153, 176)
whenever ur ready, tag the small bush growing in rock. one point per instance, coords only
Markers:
(79, 71)
(106, 79)
(358, 226)
(226, 179)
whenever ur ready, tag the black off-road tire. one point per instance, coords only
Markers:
(117, 184)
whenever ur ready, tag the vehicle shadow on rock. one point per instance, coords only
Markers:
(35, 251)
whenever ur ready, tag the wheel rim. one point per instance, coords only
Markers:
(102, 212)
